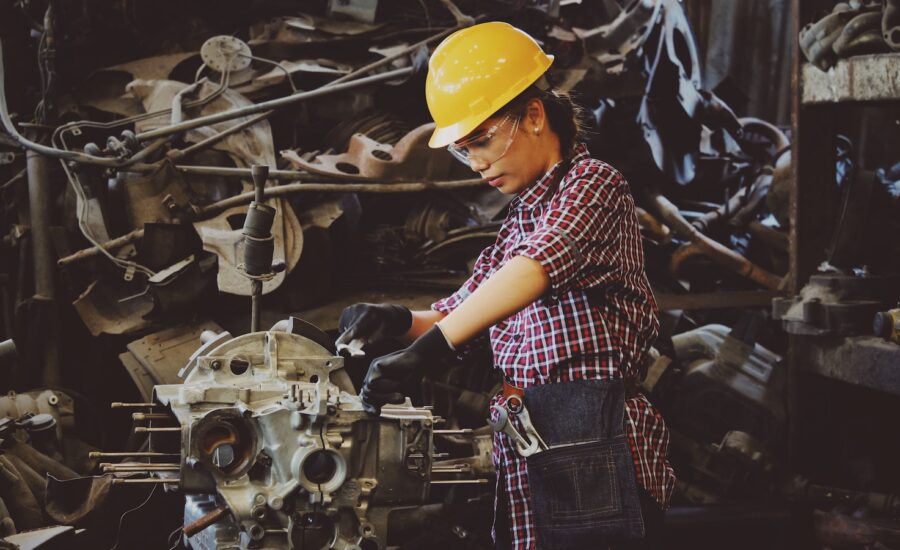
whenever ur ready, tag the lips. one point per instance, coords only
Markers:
(495, 181)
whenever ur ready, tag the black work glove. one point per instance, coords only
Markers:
(371, 323)
(389, 374)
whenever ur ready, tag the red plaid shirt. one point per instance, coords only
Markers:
(586, 237)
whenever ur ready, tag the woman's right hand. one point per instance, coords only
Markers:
(363, 324)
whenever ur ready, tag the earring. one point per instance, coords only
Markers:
(536, 130)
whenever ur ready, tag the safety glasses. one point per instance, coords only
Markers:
(488, 146)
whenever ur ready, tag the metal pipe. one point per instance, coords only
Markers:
(144, 429)
(39, 202)
(138, 468)
(176, 154)
(120, 405)
(203, 212)
(98, 454)
(272, 104)
(205, 521)
(715, 250)
(111, 244)
(119, 481)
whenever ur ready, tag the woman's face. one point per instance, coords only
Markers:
(508, 152)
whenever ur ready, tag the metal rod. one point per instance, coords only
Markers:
(119, 480)
(144, 429)
(282, 190)
(272, 104)
(120, 405)
(460, 431)
(175, 154)
(205, 521)
(98, 454)
(111, 244)
(152, 416)
(459, 481)
(137, 468)
(255, 294)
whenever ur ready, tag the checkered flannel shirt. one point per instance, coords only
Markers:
(585, 237)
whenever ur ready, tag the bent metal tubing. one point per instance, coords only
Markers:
(76, 156)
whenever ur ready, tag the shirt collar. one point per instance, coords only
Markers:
(533, 194)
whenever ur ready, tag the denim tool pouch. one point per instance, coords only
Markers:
(583, 486)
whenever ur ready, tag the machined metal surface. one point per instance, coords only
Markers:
(272, 429)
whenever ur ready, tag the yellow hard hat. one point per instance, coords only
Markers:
(476, 71)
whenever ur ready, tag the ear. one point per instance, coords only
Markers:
(535, 116)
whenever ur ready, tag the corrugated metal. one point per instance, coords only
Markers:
(750, 42)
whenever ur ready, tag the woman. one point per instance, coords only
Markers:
(564, 294)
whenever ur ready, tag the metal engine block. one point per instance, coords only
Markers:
(277, 451)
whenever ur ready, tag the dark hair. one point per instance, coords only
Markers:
(564, 115)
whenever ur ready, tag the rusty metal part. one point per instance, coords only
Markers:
(651, 226)
(284, 190)
(273, 104)
(111, 244)
(205, 521)
(701, 244)
(367, 160)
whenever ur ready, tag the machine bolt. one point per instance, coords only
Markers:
(260, 498)
(53, 400)
(460, 532)
(258, 512)
(276, 503)
(215, 365)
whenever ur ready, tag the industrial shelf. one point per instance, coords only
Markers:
(860, 78)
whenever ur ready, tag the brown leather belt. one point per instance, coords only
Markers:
(510, 391)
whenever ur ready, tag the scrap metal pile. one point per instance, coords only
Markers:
(127, 156)
(853, 28)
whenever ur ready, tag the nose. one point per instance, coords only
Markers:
(478, 165)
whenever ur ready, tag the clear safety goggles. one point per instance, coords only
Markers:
(488, 146)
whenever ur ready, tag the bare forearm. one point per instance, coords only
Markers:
(421, 322)
(515, 285)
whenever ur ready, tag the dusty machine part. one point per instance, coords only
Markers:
(836, 304)
(272, 430)
(369, 160)
(54, 403)
(724, 384)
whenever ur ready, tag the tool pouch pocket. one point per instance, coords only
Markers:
(583, 487)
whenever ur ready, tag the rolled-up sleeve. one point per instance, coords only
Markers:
(580, 232)
(483, 267)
